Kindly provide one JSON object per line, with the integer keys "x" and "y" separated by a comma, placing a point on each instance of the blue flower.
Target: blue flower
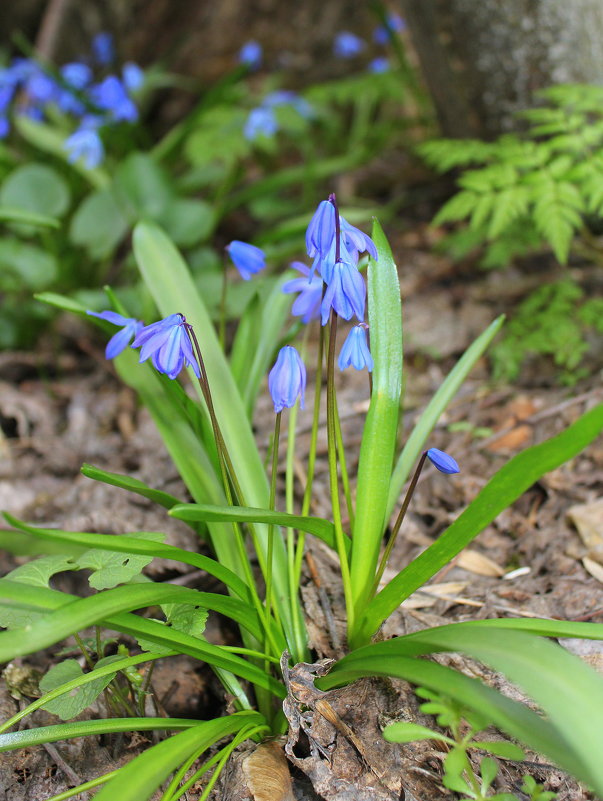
{"x": 110, "y": 95}
{"x": 355, "y": 350}
{"x": 443, "y": 461}
{"x": 169, "y": 345}
{"x": 40, "y": 88}
{"x": 76, "y": 74}
{"x": 346, "y": 292}
{"x": 133, "y": 76}
{"x": 347, "y": 45}
{"x": 85, "y": 144}
{"x": 379, "y": 65}
{"x": 320, "y": 239}
{"x": 102, "y": 48}
{"x": 121, "y": 340}
{"x": 307, "y": 304}
{"x": 251, "y": 55}
{"x": 287, "y": 379}
{"x": 395, "y": 24}
{"x": 260, "y": 122}
{"x": 4, "y": 126}
{"x": 285, "y": 97}
{"x": 248, "y": 259}
{"x": 355, "y": 241}
{"x": 320, "y": 233}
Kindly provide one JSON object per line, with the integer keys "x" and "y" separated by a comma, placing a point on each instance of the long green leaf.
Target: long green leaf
{"x": 501, "y": 491}
{"x": 85, "y": 728}
{"x": 125, "y": 544}
{"x": 8, "y": 214}
{"x": 143, "y": 775}
{"x": 510, "y": 716}
{"x": 435, "y": 407}
{"x": 321, "y": 528}
{"x": 28, "y": 596}
{"x": 85, "y": 612}
{"x": 569, "y": 691}
{"x": 173, "y": 290}
{"x": 131, "y": 484}
{"x": 379, "y": 438}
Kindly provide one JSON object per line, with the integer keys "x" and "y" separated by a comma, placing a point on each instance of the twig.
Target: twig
{"x": 60, "y": 762}
{"x": 49, "y": 29}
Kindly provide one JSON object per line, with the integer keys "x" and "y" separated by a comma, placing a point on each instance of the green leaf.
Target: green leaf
{"x": 110, "y": 569}
{"x": 17, "y": 215}
{"x": 61, "y": 302}
{"x": 87, "y": 728}
{"x": 36, "y": 188}
{"x": 172, "y": 288}
{"x": 131, "y": 484}
{"x": 186, "y": 618}
{"x": 500, "y": 748}
{"x": 142, "y": 188}
{"x": 323, "y": 529}
{"x": 138, "y": 780}
{"x": 435, "y": 407}
{"x": 23, "y": 264}
{"x": 39, "y": 572}
{"x": 188, "y": 221}
{"x": 506, "y": 486}
{"x": 379, "y": 437}
{"x": 98, "y": 224}
{"x": 403, "y": 732}
{"x": 69, "y": 705}
{"x": 66, "y": 617}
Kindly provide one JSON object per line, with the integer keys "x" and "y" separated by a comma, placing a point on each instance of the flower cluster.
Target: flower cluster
{"x": 75, "y": 89}
{"x": 250, "y": 55}
{"x": 347, "y": 45}
{"x": 262, "y": 120}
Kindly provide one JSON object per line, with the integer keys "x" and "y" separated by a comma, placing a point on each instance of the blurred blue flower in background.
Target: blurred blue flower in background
{"x": 85, "y": 144}
{"x": 307, "y": 304}
{"x": 133, "y": 76}
{"x": 355, "y": 351}
{"x": 379, "y": 65}
{"x": 251, "y": 55}
{"x": 102, "y": 48}
{"x": 110, "y": 95}
{"x": 347, "y": 45}
{"x": 168, "y": 344}
{"x": 287, "y": 379}
{"x": 248, "y": 259}
{"x": 395, "y": 23}
{"x": 121, "y": 340}
{"x": 260, "y": 122}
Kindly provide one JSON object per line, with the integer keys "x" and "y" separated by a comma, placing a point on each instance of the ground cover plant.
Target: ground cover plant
{"x": 259, "y": 549}
{"x": 525, "y": 192}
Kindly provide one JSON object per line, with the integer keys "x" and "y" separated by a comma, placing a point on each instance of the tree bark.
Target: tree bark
{"x": 483, "y": 60}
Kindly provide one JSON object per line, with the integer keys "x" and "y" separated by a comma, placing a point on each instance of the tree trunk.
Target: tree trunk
{"x": 483, "y": 60}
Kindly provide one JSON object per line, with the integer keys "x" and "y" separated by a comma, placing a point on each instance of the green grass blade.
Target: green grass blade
{"x": 379, "y": 438}
{"x": 138, "y": 780}
{"x": 131, "y": 484}
{"x": 503, "y": 489}
{"x": 569, "y": 691}
{"x": 318, "y": 526}
{"x": 86, "y": 728}
{"x": 113, "y": 667}
{"x": 509, "y": 716}
{"x": 421, "y": 431}
{"x": 28, "y": 596}
{"x": 86, "y": 612}
{"x": 173, "y": 290}
{"x": 125, "y": 544}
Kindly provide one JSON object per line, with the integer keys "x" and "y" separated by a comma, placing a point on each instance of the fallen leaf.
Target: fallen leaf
{"x": 513, "y": 440}
{"x": 432, "y": 593}
{"x": 267, "y": 774}
{"x": 594, "y": 568}
{"x": 476, "y": 562}
{"x": 588, "y": 521}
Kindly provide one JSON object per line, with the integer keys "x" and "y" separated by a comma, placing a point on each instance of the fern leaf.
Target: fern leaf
{"x": 459, "y": 207}
{"x": 510, "y": 204}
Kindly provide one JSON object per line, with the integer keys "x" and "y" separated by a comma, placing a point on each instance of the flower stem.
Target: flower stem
{"x": 398, "y": 523}
{"x": 271, "y": 506}
{"x": 334, "y": 484}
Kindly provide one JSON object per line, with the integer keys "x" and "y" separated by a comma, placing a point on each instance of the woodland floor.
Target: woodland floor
{"x": 60, "y": 408}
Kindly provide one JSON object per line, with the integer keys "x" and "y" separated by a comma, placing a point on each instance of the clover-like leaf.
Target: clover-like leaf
{"x": 111, "y": 569}
{"x": 70, "y": 704}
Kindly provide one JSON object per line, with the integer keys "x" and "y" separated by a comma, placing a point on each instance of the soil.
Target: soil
{"x": 62, "y": 406}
